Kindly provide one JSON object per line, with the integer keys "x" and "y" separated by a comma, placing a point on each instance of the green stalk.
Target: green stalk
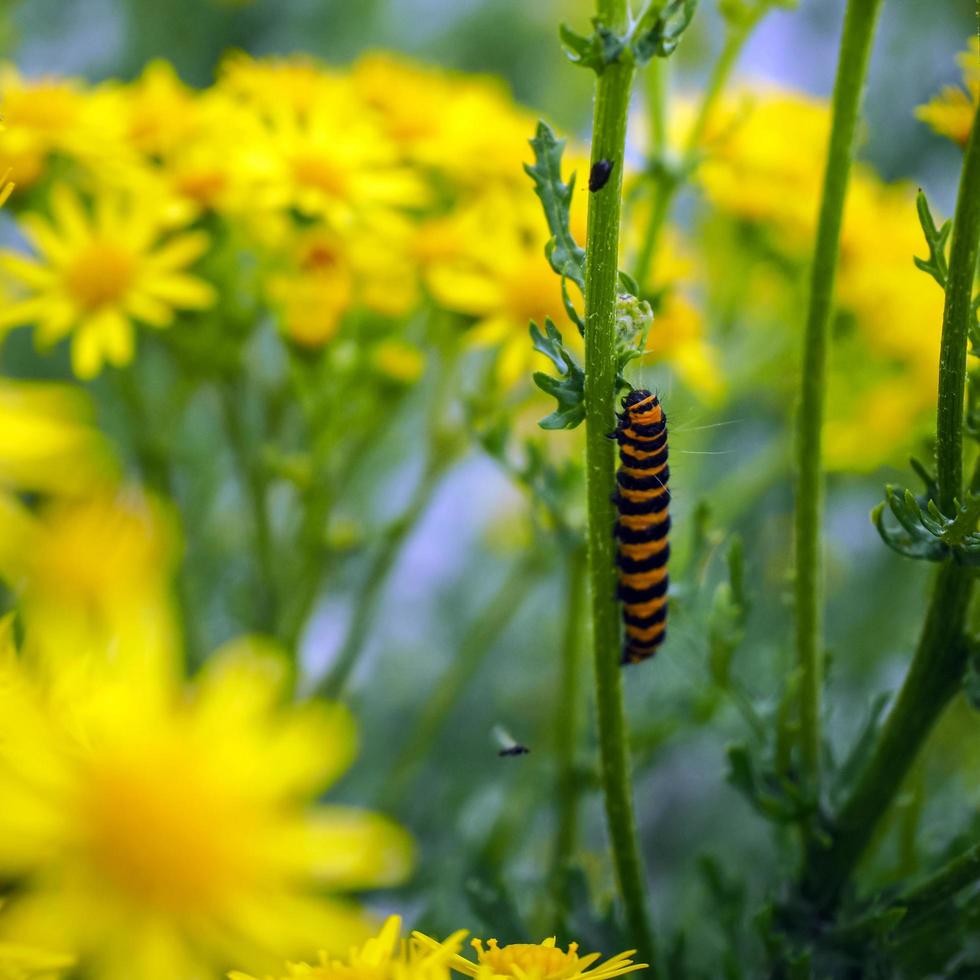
{"x": 333, "y": 684}
{"x": 668, "y": 184}
{"x": 251, "y": 472}
{"x": 936, "y": 672}
{"x": 855, "y": 50}
{"x": 568, "y": 712}
{"x": 601, "y": 287}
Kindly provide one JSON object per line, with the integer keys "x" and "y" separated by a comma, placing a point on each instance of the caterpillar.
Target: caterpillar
{"x": 643, "y": 523}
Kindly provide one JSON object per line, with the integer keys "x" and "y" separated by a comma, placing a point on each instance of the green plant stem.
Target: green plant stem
{"x": 668, "y": 183}
{"x": 251, "y": 472}
{"x": 481, "y": 637}
{"x": 568, "y": 723}
{"x": 156, "y": 472}
{"x": 957, "y": 315}
{"x": 601, "y": 287}
{"x": 855, "y": 50}
{"x": 936, "y": 672}
{"x": 387, "y": 553}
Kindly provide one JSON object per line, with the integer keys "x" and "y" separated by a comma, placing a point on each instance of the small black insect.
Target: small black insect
{"x": 514, "y": 750}
{"x": 599, "y": 174}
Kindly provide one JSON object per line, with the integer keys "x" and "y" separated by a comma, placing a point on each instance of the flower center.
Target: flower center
{"x": 100, "y": 275}
{"x": 158, "y": 831}
{"x": 530, "y": 959}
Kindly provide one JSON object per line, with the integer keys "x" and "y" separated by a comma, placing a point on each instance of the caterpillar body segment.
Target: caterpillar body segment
{"x": 643, "y": 523}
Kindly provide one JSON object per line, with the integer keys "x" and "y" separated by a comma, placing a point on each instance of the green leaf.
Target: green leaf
{"x": 775, "y": 797}
{"x": 659, "y": 29}
{"x": 564, "y": 254}
{"x": 936, "y": 238}
{"x": 600, "y": 49}
{"x": 569, "y": 389}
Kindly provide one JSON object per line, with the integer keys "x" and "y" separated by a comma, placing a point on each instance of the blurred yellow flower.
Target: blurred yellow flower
{"x": 502, "y": 279}
{"x": 399, "y": 360}
{"x": 28, "y": 963}
{"x": 97, "y": 273}
{"x": 764, "y": 159}
{"x": 951, "y": 112}
{"x": 170, "y": 831}
{"x": 384, "y": 957}
{"x": 429, "y": 114}
{"x": 49, "y": 116}
{"x": 49, "y": 443}
{"x": 329, "y": 162}
{"x": 92, "y": 572}
{"x": 537, "y": 961}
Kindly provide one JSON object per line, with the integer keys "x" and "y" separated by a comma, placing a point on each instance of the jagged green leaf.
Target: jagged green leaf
{"x": 564, "y": 254}
{"x": 773, "y": 796}
{"x": 568, "y": 389}
{"x": 660, "y": 27}
{"x": 600, "y": 49}
{"x": 936, "y": 238}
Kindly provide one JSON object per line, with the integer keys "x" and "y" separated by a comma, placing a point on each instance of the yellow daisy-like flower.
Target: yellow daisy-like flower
{"x": 53, "y": 116}
{"x": 170, "y": 830}
{"x": 92, "y": 572}
{"x": 951, "y": 112}
{"x": 537, "y": 961}
{"x": 383, "y": 957}
{"x": 95, "y": 274}
{"x": 501, "y": 278}
{"x": 49, "y": 442}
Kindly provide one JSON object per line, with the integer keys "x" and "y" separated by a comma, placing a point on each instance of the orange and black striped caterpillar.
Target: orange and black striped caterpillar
{"x": 643, "y": 523}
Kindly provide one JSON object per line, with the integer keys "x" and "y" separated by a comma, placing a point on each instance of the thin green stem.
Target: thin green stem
{"x": 852, "y": 66}
{"x": 481, "y": 637}
{"x": 601, "y": 288}
{"x": 667, "y": 183}
{"x": 251, "y": 472}
{"x": 656, "y": 101}
{"x": 568, "y": 723}
{"x": 390, "y": 548}
{"x": 936, "y": 672}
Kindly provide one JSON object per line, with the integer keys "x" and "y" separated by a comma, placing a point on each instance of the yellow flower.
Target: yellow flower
{"x": 49, "y": 443}
{"x": 383, "y": 957}
{"x": 169, "y": 830}
{"x": 429, "y": 112}
{"x": 764, "y": 160}
{"x": 97, "y": 273}
{"x": 319, "y": 153}
{"x": 92, "y": 572}
{"x": 501, "y": 278}
{"x": 27, "y": 963}
{"x": 537, "y": 961}
{"x": 50, "y": 116}
{"x": 951, "y": 112}
{"x": 399, "y": 361}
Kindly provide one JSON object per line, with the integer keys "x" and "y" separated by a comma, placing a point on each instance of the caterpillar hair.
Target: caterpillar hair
{"x": 643, "y": 523}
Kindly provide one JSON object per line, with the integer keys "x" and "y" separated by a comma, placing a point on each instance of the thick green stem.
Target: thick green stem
{"x": 601, "y": 288}
{"x": 855, "y": 50}
{"x": 937, "y": 669}
{"x": 481, "y": 637}
{"x": 568, "y": 713}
